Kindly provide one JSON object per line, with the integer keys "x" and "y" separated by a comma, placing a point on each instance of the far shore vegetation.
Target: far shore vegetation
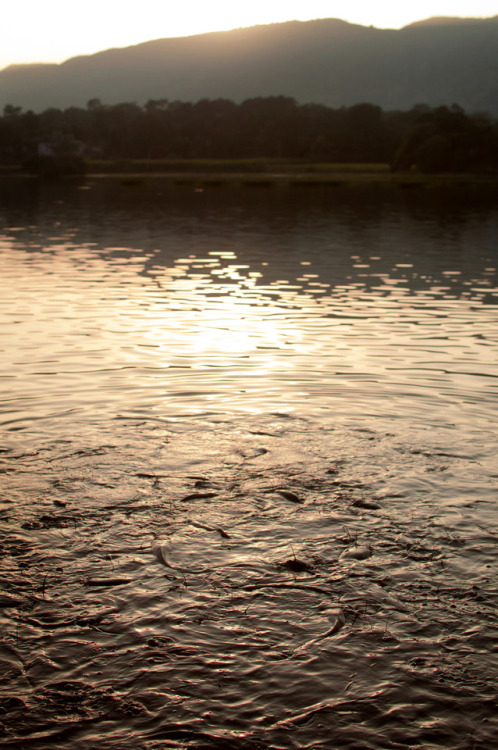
{"x": 270, "y": 139}
{"x": 267, "y": 173}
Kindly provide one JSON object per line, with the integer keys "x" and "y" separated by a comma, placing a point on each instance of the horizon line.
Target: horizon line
{"x": 422, "y": 21}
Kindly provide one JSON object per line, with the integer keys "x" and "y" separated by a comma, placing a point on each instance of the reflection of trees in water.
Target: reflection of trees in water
{"x": 428, "y": 231}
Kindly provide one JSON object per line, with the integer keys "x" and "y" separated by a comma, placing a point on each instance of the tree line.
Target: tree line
{"x": 441, "y": 139}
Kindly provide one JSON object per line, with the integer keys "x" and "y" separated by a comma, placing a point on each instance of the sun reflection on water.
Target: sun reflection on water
{"x": 301, "y": 319}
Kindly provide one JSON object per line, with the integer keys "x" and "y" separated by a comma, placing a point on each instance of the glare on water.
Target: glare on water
{"x": 393, "y": 316}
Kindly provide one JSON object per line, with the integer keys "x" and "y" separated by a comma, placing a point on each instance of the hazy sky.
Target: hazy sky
{"x": 54, "y": 30}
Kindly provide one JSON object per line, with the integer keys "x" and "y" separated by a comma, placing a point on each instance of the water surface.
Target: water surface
{"x": 172, "y": 361}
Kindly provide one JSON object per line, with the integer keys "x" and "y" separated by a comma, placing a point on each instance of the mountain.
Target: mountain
{"x": 328, "y": 61}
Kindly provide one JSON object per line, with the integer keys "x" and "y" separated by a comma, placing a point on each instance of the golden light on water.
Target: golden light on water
{"x": 293, "y": 443}
{"x": 221, "y": 312}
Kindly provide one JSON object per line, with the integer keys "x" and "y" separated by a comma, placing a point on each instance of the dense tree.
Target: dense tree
{"x": 445, "y": 139}
{"x": 428, "y": 139}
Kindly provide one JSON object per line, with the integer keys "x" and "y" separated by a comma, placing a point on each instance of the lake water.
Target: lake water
{"x": 249, "y": 465}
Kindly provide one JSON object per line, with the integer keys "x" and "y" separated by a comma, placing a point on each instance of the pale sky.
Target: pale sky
{"x": 54, "y": 30}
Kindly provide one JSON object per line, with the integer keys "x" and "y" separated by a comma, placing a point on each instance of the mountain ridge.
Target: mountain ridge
{"x": 325, "y": 61}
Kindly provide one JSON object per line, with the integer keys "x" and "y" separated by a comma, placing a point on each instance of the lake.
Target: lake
{"x": 248, "y": 462}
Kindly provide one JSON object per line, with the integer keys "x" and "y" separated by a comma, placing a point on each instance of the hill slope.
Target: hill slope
{"x": 439, "y": 61}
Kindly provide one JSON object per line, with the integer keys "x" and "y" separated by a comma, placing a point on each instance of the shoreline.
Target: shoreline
{"x": 199, "y": 173}
{"x": 285, "y": 180}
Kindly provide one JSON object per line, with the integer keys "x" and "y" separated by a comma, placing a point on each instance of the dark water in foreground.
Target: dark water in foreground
{"x": 248, "y": 467}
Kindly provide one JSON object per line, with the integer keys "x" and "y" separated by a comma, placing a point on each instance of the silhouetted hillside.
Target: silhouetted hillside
{"x": 437, "y": 62}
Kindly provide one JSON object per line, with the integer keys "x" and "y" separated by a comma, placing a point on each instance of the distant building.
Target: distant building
{"x": 45, "y": 149}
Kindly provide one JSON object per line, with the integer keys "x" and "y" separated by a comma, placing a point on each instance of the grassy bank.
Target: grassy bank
{"x": 269, "y": 172}
{"x": 271, "y": 167}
